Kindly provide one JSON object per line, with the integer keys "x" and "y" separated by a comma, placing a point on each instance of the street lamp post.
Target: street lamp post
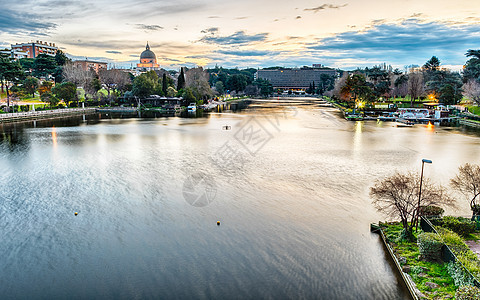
{"x": 420, "y": 190}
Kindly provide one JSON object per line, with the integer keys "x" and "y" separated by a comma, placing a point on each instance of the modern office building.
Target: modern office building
{"x": 33, "y": 49}
{"x": 293, "y": 78}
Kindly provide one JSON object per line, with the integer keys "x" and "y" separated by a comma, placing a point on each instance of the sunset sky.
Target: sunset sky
{"x": 247, "y": 33}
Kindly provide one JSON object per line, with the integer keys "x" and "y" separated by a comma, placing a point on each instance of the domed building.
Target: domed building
{"x": 148, "y": 60}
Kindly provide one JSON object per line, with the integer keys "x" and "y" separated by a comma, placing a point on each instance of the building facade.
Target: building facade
{"x": 34, "y": 49}
{"x": 148, "y": 60}
{"x": 90, "y": 64}
{"x": 295, "y": 79}
{"x": 14, "y": 54}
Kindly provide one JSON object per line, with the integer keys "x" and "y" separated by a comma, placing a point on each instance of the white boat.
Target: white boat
{"x": 404, "y": 123}
{"x": 192, "y": 107}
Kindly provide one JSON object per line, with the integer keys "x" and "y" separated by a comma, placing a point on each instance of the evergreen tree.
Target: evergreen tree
{"x": 164, "y": 84}
{"x": 181, "y": 80}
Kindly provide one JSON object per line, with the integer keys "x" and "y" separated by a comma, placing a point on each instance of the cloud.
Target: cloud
{"x": 149, "y": 27}
{"x": 325, "y": 6}
{"x": 403, "y": 42}
{"x": 14, "y": 22}
{"x": 154, "y": 8}
{"x": 237, "y": 38}
{"x": 114, "y": 52}
{"x": 211, "y": 30}
{"x": 246, "y": 52}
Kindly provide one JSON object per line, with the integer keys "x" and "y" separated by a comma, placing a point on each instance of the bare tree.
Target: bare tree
{"x": 467, "y": 182}
{"x": 114, "y": 79}
{"x": 339, "y": 83}
{"x": 197, "y": 79}
{"x": 398, "y": 196}
{"x": 471, "y": 90}
{"x": 416, "y": 86}
{"x": 77, "y": 75}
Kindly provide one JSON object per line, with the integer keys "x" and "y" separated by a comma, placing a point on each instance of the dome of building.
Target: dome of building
{"x": 148, "y": 54}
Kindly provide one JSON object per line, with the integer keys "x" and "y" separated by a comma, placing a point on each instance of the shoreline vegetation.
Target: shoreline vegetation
{"x": 427, "y": 261}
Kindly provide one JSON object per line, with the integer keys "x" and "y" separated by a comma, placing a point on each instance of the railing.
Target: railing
{"x": 43, "y": 113}
{"x": 447, "y": 253}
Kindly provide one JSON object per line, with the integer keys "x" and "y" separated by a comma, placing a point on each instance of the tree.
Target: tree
{"x": 471, "y": 90}
{"x": 397, "y": 196}
{"x": 10, "y": 71}
{"x": 445, "y": 85}
{"x": 67, "y": 91}
{"x": 171, "y": 91}
{"x": 49, "y": 98}
{"x": 236, "y": 82}
{"x": 264, "y": 86}
{"x": 27, "y": 64}
{"x": 46, "y": 86}
{"x": 337, "y": 90}
{"x": 77, "y": 75}
{"x": 164, "y": 83}
{"x": 356, "y": 88}
{"x": 432, "y": 64}
{"x": 401, "y": 86}
{"x": 219, "y": 87}
{"x": 114, "y": 80}
{"x": 252, "y": 90}
{"x": 449, "y": 94}
{"x": 181, "y": 80}
{"x": 471, "y": 70}
{"x": 60, "y": 58}
{"x": 143, "y": 85}
{"x": 326, "y": 83}
{"x": 197, "y": 80}
{"x": 93, "y": 87}
{"x": 44, "y": 65}
{"x": 31, "y": 84}
{"x": 467, "y": 182}
{"x": 415, "y": 86}
{"x": 188, "y": 95}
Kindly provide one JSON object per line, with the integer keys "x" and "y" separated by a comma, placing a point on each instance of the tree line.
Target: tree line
{"x": 431, "y": 81}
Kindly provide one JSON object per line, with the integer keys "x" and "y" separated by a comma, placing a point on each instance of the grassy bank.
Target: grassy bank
{"x": 422, "y": 272}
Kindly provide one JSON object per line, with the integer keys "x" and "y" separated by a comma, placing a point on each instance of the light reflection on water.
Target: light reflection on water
{"x": 294, "y": 217}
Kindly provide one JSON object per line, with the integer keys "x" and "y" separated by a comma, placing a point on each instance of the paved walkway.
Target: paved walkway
{"x": 474, "y": 246}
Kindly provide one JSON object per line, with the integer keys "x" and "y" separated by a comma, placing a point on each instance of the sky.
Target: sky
{"x": 247, "y": 33}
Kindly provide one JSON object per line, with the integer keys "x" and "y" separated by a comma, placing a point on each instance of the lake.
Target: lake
{"x": 288, "y": 182}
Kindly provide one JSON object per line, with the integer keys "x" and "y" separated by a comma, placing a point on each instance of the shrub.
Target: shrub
{"x": 459, "y": 275}
{"x": 431, "y": 211}
{"x": 430, "y": 246}
{"x": 459, "y": 225}
{"x": 467, "y": 292}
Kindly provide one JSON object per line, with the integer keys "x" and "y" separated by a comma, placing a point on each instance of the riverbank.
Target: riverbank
{"x": 436, "y": 263}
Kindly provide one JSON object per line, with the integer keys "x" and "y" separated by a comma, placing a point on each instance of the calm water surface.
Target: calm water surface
{"x": 292, "y": 198}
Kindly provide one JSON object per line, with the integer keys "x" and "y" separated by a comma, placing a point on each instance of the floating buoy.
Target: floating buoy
{"x": 76, "y": 213}
{"x": 218, "y": 223}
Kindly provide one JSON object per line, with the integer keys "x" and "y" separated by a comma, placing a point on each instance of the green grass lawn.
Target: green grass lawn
{"x": 474, "y": 109}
